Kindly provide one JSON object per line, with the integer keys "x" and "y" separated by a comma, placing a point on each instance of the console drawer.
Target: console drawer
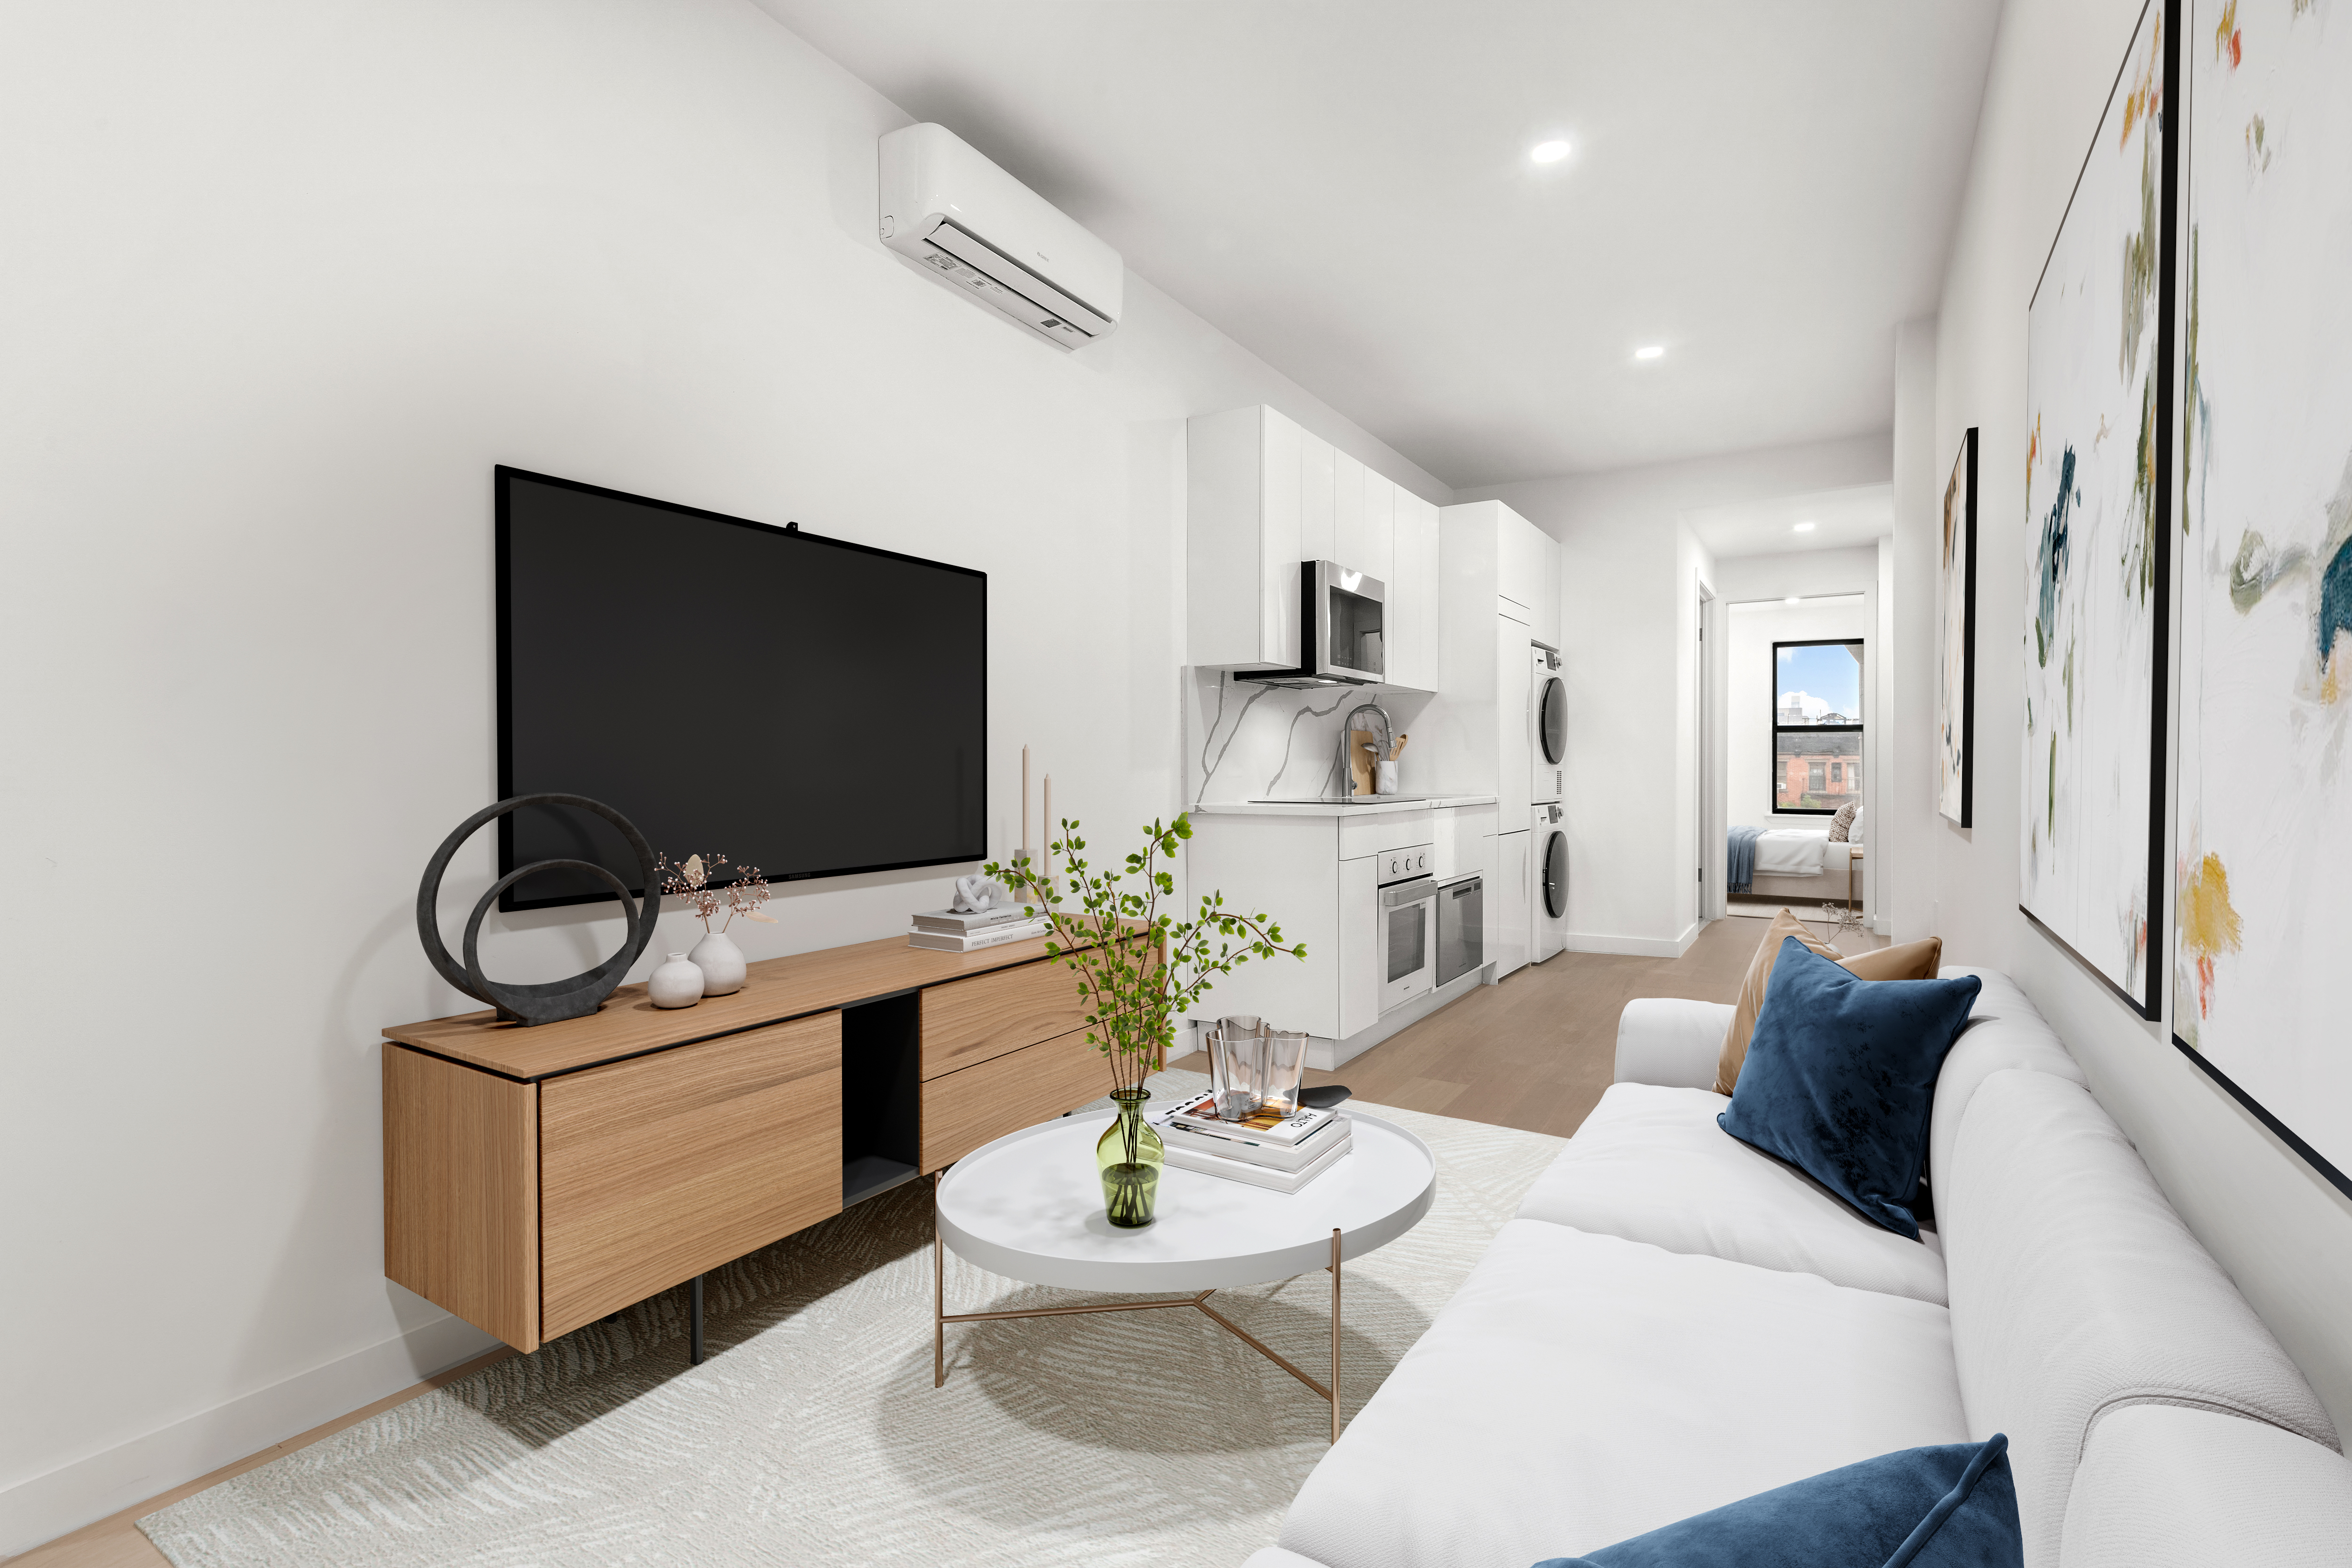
{"x": 660, "y": 1168}
{"x": 962, "y": 1110}
{"x": 970, "y": 1021}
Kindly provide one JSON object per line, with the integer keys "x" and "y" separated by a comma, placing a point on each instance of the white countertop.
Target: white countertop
{"x": 1372, "y": 807}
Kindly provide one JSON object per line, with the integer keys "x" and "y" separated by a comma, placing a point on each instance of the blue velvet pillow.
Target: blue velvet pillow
{"x": 1841, "y": 1076}
{"x": 1953, "y": 1506}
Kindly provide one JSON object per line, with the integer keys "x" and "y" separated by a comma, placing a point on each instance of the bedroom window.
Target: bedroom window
{"x": 1816, "y": 726}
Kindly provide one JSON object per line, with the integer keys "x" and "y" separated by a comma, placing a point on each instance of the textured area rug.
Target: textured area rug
{"x": 811, "y": 1434}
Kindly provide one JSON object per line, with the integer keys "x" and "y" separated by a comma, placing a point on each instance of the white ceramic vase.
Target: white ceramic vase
{"x": 677, "y": 984}
{"x": 721, "y": 963}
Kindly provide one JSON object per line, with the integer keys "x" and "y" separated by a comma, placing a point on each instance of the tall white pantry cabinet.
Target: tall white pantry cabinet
{"x": 1265, "y": 496}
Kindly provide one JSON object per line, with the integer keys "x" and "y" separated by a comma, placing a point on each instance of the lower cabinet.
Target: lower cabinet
{"x": 974, "y": 1105}
{"x": 656, "y": 1169}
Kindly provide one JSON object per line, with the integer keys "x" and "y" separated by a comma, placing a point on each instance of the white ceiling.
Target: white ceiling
{"x": 1343, "y": 187}
{"x": 1841, "y": 519}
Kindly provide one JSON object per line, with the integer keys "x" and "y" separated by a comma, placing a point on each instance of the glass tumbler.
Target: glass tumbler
{"x": 1282, "y": 1071}
{"x": 1236, "y": 1051}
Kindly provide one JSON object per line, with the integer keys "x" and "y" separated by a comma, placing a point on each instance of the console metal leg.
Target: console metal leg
{"x": 694, "y": 1329}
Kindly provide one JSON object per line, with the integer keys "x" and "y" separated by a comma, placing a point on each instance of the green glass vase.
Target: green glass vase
{"x": 1129, "y": 1156}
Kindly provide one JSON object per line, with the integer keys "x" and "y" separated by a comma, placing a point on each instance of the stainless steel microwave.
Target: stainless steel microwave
{"x": 1341, "y": 630}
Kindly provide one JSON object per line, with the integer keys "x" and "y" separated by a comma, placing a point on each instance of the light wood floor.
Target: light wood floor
{"x": 1534, "y": 1052}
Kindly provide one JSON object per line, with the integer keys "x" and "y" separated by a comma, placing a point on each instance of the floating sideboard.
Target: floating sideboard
{"x": 536, "y": 1179}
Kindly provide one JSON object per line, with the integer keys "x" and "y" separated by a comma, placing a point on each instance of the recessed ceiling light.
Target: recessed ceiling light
{"x": 1806, "y": 527}
{"x": 1651, "y": 351}
{"x": 1792, "y": 599}
{"x": 1549, "y": 152}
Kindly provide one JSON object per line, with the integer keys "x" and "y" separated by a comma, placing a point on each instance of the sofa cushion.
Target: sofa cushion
{"x": 1650, "y": 1164}
{"x": 1841, "y": 1076}
{"x": 2075, "y": 1291}
{"x": 1278, "y": 1557}
{"x": 1579, "y": 1389}
{"x": 2004, "y": 1031}
{"x": 1908, "y": 960}
{"x": 1671, "y": 1041}
{"x": 1947, "y": 1506}
{"x": 2165, "y": 1487}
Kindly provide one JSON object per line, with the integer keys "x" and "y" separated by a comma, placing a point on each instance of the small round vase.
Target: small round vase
{"x": 677, "y": 984}
{"x": 1129, "y": 1157}
{"x": 721, "y": 963}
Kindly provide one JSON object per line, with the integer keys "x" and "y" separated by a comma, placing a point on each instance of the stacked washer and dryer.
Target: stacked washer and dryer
{"x": 1548, "y": 844}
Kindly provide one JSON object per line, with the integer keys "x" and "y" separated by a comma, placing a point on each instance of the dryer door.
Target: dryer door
{"x": 1551, "y": 721}
{"x": 1555, "y": 874}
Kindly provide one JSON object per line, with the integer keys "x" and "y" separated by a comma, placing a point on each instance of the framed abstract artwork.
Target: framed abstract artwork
{"x": 2263, "y": 843}
{"x": 1956, "y": 643}
{"x": 2099, "y": 454}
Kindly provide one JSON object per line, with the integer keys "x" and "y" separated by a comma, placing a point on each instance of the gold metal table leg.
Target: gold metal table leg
{"x": 941, "y": 1317}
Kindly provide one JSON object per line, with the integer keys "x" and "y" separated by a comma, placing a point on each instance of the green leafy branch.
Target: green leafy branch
{"x": 1139, "y": 968}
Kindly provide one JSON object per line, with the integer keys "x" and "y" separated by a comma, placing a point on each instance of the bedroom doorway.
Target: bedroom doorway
{"x": 1795, "y": 750}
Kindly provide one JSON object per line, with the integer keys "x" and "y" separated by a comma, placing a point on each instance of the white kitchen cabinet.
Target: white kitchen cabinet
{"x": 1462, "y": 838}
{"x": 1289, "y": 869}
{"x": 1414, "y": 593}
{"x": 1545, "y": 627}
{"x": 1347, "y": 512}
{"x": 1243, "y": 545}
{"x": 1265, "y": 496}
{"x": 1360, "y": 945}
{"x": 1514, "y": 688}
{"x": 1509, "y": 913}
{"x": 1372, "y": 549}
{"x": 1318, "y": 465}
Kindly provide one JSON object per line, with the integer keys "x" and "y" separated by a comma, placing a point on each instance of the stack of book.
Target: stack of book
{"x": 1284, "y": 1153}
{"x": 967, "y": 931}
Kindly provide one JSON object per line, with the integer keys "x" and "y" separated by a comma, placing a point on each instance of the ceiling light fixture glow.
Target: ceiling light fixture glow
{"x": 1549, "y": 152}
{"x": 1792, "y": 599}
{"x": 1651, "y": 351}
{"x": 1806, "y": 527}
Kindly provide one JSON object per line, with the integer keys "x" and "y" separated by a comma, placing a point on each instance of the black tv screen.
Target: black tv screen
{"x": 799, "y": 704}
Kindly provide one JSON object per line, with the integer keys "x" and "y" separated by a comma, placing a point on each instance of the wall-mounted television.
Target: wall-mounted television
{"x": 806, "y": 705}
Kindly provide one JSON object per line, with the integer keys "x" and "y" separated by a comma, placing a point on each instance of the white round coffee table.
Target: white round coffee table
{"x": 1030, "y": 1206}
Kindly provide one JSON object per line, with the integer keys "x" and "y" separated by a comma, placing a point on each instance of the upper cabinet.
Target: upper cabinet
{"x": 1264, "y": 497}
{"x": 1528, "y": 574}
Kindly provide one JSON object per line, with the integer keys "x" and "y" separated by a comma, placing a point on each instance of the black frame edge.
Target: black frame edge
{"x": 2286, "y": 1135}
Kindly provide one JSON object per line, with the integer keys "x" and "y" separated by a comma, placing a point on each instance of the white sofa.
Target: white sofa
{"x": 1675, "y": 1320}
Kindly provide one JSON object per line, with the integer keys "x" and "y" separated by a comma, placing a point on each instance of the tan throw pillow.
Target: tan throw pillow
{"x": 1912, "y": 961}
{"x": 1842, "y": 823}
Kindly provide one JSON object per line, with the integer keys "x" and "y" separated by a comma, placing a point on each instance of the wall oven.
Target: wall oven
{"x": 1408, "y": 940}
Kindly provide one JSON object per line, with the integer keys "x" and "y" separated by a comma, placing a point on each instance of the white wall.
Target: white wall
{"x": 2283, "y": 1233}
{"x": 1750, "y": 691}
{"x": 283, "y": 282}
{"x": 1629, "y": 570}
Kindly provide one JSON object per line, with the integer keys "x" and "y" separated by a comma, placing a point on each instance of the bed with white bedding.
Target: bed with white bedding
{"x": 1796, "y": 863}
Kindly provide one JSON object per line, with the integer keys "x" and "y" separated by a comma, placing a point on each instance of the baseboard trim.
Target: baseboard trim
{"x": 80, "y": 1491}
{"x": 1633, "y": 946}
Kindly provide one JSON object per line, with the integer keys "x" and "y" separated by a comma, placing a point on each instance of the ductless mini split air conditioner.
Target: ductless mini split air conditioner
{"x": 994, "y": 239}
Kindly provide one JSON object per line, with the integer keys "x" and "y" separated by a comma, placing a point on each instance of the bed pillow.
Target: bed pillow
{"x": 1911, "y": 960}
{"x": 1944, "y": 1506}
{"x": 1841, "y": 1076}
{"x": 1843, "y": 821}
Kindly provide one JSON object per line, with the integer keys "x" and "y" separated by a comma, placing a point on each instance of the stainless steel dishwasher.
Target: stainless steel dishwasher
{"x": 1461, "y": 927}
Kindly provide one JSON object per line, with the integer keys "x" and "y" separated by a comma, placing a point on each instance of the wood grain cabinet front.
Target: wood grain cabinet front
{"x": 656, "y": 1169}
{"x": 972, "y": 1021}
{"x": 962, "y": 1110}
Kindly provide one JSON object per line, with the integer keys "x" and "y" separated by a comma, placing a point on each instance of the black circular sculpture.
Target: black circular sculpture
{"x": 549, "y": 1001}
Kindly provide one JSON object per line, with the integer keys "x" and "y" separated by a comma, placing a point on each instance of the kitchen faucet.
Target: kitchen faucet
{"x": 1347, "y": 728}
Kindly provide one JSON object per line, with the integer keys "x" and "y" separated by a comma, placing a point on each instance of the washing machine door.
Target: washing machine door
{"x": 1555, "y": 874}
{"x": 1551, "y": 721}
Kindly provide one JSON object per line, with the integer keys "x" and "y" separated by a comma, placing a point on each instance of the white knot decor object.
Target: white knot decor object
{"x": 973, "y": 894}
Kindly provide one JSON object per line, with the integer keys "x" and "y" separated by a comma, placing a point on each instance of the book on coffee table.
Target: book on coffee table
{"x": 1237, "y": 1144}
{"x": 1200, "y": 1115}
{"x": 1185, "y": 1158}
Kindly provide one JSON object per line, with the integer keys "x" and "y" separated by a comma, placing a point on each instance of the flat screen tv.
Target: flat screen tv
{"x": 803, "y": 705}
